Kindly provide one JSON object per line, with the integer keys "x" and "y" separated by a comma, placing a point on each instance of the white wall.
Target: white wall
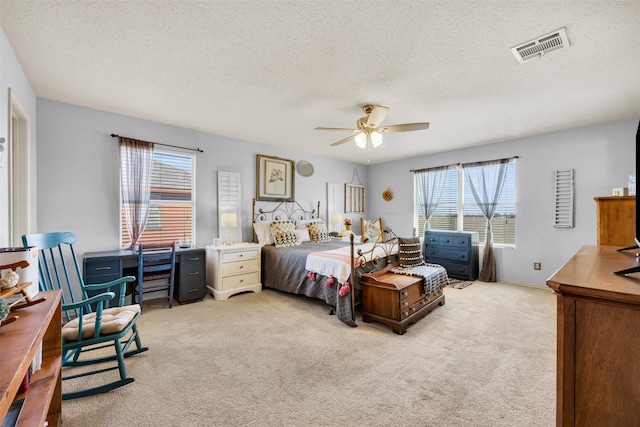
{"x": 12, "y": 77}
{"x": 602, "y": 156}
{"x": 79, "y": 166}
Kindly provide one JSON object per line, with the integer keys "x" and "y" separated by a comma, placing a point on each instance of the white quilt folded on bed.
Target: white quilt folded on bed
{"x": 335, "y": 262}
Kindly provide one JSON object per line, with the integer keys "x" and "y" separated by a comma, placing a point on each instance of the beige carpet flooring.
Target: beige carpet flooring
{"x": 485, "y": 358}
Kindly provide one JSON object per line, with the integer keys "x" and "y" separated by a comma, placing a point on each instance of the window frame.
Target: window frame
{"x": 459, "y": 206}
{"x": 156, "y": 205}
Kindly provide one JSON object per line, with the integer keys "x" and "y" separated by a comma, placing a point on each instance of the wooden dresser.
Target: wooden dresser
{"x": 598, "y": 372}
{"x": 396, "y": 299}
{"x": 616, "y": 220}
{"x": 456, "y": 251}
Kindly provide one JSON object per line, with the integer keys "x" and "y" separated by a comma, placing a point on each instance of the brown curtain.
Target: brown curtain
{"x": 486, "y": 180}
{"x": 136, "y": 163}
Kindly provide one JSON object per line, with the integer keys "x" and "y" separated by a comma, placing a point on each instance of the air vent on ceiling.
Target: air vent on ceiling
{"x": 541, "y": 46}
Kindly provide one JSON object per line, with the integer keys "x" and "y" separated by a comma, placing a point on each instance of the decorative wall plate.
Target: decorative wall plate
{"x": 305, "y": 168}
{"x": 387, "y": 194}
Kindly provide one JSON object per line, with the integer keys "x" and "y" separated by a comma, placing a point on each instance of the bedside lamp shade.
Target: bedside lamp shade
{"x": 335, "y": 220}
{"x": 229, "y": 220}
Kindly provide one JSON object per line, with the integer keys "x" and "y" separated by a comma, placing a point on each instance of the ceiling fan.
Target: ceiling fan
{"x": 369, "y": 132}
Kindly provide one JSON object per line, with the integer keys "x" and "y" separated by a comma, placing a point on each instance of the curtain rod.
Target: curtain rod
{"x": 113, "y": 135}
{"x": 434, "y": 167}
{"x": 458, "y": 164}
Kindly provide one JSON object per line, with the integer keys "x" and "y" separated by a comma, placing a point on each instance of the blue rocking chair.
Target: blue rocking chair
{"x": 89, "y": 323}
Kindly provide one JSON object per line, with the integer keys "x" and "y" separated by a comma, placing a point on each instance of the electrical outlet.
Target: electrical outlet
{"x": 537, "y": 266}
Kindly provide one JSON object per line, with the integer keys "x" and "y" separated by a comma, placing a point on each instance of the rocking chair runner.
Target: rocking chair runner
{"x": 85, "y": 329}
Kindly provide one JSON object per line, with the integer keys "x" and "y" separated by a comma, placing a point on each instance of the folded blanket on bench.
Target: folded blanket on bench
{"x": 435, "y": 276}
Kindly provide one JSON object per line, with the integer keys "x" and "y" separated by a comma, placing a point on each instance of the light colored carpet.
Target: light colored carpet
{"x": 485, "y": 358}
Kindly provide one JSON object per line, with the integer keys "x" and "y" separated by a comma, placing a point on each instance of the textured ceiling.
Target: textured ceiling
{"x": 272, "y": 71}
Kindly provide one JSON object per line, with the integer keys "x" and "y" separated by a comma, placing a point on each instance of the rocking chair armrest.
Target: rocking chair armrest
{"x": 99, "y": 299}
{"x": 119, "y": 284}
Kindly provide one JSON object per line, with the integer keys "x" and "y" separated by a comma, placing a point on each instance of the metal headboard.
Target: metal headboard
{"x": 285, "y": 210}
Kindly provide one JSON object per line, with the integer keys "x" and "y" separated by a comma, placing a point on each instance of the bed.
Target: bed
{"x": 319, "y": 266}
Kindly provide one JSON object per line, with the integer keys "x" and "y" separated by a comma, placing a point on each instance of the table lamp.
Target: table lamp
{"x": 335, "y": 220}
{"x": 229, "y": 221}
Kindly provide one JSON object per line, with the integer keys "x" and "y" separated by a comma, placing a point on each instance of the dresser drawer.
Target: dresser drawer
{"x": 460, "y": 271}
{"x": 240, "y": 280}
{"x": 239, "y": 256}
{"x": 239, "y": 267}
{"x": 447, "y": 254}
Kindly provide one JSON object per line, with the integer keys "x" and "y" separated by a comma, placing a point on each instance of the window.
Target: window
{"x": 458, "y": 211}
{"x": 172, "y": 200}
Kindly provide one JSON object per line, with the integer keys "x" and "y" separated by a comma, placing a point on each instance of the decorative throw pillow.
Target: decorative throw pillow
{"x": 263, "y": 232}
{"x": 302, "y": 235}
{"x": 409, "y": 252}
{"x": 302, "y": 224}
{"x": 318, "y": 232}
{"x": 284, "y": 233}
{"x": 371, "y": 230}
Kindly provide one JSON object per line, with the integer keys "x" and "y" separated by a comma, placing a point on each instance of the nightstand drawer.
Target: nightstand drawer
{"x": 239, "y": 267}
{"x": 240, "y": 280}
{"x": 239, "y": 256}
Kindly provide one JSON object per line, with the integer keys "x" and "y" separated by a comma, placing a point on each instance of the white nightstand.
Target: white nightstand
{"x": 233, "y": 269}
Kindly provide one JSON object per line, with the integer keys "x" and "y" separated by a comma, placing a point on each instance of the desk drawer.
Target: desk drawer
{"x": 239, "y": 267}
{"x": 234, "y": 282}
{"x": 102, "y": 268}
{"x": 190, "y": 290}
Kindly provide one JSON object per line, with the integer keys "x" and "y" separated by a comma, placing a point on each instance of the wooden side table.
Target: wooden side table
{"x": 233, "y": 269}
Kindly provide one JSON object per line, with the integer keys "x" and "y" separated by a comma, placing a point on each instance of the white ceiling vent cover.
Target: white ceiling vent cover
{"x": 539, "y": 47}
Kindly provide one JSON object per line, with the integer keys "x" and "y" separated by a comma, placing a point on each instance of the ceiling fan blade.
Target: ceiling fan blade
{"x": 342, "y": 141}
{"x": 405, "y": 127}
{"x": 341, "y": 129}
{"x": 377, "y": 115}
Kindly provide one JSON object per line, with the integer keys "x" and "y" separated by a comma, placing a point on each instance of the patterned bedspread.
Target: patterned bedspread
{"x": 285, "y": 269}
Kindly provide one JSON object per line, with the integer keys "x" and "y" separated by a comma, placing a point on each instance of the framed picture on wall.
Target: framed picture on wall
{"x": 274, "y": 178}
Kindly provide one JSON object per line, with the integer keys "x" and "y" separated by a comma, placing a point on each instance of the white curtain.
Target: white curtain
{"x": 430, "y": 183}
{"x": 136, "y": 163}
{"x": 486, "y": 181}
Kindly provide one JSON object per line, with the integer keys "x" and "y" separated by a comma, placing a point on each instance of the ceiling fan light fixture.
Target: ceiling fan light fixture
{"x": 361, "y": 140}
{"x": 376, "y": 139}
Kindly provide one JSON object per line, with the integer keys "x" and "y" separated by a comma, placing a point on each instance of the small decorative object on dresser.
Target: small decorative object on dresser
{"x": 457, "y": 251}
{"x": 233, "y": 269}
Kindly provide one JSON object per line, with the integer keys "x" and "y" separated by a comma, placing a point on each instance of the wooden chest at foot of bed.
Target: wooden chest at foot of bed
{"x": 396, "y": 300}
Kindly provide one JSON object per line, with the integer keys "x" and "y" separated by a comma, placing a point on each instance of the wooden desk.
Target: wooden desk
{"x": 598, "y": 371}
{"x": 190, "y": 281}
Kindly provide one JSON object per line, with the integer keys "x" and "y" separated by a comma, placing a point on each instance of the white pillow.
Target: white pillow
{"x": 302, "y": 223}
{"x": 263, "y": 232}
{"x": 302, "y": 235}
